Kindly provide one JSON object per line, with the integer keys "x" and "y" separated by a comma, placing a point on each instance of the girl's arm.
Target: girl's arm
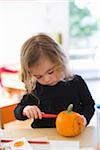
{"x": 86, "y": 100}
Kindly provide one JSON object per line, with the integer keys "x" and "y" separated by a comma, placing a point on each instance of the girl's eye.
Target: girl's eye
{"x": 39, "y": 77}
{"x": 51, "y": 72}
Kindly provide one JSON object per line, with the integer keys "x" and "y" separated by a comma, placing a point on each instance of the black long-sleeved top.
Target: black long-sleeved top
{"x": 54, "y": 99}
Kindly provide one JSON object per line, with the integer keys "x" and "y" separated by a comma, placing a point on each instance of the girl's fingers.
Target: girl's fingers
{"x": 84, "y": 119}
{"x": 32, "y": 112}
{"x": 28, "y": 114}
{"x": 35, "y": 113}
{"x": 39, "y": 113}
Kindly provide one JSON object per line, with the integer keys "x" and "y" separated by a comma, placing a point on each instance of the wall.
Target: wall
{"x": 21, "y": 19}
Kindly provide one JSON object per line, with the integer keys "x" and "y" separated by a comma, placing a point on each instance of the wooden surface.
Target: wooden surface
{"x": 17, "y": 124}
{"x": 86, "y": 139}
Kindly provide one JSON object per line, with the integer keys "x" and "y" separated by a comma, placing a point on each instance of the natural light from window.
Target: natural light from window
{"x": 85, "y": 38}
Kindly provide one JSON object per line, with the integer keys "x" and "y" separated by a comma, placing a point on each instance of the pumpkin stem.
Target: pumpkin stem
{"x": 70, "y": 108}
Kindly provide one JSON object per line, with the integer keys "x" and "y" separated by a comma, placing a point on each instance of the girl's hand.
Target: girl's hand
{"x": 32, "y": 112}
{"x": 84, "y": 121}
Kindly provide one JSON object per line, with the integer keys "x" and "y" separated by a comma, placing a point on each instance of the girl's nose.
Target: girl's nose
{"x": 47, "y": 78}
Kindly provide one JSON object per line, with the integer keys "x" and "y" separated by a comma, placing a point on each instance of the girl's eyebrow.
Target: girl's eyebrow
{"x": 45, "y": 72}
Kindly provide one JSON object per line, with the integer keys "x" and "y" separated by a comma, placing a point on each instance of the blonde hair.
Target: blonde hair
{"x": 35, "y": 48}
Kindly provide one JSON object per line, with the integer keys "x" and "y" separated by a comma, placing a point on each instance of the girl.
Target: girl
{"x": 49, "y": 84}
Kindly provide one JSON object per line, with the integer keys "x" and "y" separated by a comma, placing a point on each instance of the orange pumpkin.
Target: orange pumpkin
{"x": 69, "y": 123}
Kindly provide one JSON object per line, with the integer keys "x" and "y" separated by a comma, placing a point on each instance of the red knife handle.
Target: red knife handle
{"x": 49, "y": 115}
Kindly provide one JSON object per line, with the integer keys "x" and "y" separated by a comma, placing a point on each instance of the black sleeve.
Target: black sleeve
{"x": 27, "y": 99}
{"x": 86, "y": 100}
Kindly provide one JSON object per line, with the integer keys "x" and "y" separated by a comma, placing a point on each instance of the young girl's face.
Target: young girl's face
{"x": 46, "y": 72}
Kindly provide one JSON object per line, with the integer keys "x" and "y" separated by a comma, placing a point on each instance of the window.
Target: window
{"x": 84, "y": 37}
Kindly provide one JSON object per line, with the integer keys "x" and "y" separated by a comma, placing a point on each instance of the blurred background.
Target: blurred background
{"x": 75, "y": 24}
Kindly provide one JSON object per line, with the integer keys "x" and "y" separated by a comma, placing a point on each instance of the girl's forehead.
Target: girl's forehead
{"x": 44, "y": 61}
{"x": 43, "y": 65}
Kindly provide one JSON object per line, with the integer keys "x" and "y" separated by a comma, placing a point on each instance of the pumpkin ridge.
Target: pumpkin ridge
{"x": 77, "y": 125}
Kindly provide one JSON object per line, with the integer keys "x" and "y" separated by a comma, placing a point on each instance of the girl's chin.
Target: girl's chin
{"x": 52, "y": 84}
